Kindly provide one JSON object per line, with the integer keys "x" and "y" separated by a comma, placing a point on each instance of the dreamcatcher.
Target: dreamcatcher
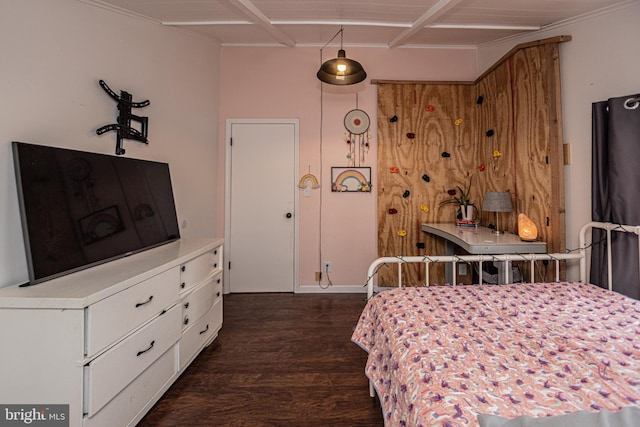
{"x": 357, "y": 124}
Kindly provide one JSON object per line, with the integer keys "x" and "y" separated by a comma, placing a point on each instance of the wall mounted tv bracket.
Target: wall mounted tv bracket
{"x": 123, "y": 127}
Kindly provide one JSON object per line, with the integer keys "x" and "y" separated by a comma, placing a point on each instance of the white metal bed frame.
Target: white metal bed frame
{"x": 582, "y": 255}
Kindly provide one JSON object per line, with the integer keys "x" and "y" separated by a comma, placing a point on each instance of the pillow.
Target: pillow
{"x": 626, "y": 417}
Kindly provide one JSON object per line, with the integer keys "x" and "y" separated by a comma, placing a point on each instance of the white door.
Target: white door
{"x": 262, "y": 159}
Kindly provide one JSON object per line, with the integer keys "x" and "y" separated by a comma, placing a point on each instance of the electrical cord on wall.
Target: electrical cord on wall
{"x": 321, "y": 181}
{"x": 329, "y": 282}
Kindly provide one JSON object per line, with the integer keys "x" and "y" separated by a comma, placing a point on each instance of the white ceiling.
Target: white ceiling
{"x": 390, "y": 23}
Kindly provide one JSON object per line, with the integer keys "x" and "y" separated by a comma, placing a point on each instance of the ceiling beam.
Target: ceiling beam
{"x": 252, "y": 13}
{"x": 344, "y": 23}
{"x": 486, "y": 27}
{"x": 434, "y": 12}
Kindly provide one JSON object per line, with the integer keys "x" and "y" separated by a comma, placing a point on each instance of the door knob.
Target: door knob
{"x": 289, "y": 215}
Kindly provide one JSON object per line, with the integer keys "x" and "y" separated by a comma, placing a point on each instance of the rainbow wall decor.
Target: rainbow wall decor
{"x": 309, "y": 180}
{"x": 351, "y": 179}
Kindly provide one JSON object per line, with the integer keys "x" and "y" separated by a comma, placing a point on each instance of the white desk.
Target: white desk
{"x": 481, "y": 240}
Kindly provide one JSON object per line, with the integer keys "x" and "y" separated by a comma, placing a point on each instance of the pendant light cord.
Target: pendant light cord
{"x": 324, "y": 274}
{"x": 321, "y": 179}
{"x": 340, "y": 31}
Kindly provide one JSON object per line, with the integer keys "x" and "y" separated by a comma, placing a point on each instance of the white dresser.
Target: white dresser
{"x": 110, "y": 340}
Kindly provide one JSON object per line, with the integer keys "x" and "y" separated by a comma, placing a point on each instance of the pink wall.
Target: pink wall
{"x": 281, "y": 83}
{"x": 49, "y": 85}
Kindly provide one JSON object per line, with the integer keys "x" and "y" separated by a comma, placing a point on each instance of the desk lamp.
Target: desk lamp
{"x": 497, "y": 201}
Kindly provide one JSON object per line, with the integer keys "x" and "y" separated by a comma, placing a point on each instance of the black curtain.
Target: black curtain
{"x": 615, "y": 190}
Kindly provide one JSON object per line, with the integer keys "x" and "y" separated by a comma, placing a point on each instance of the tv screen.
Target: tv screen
{"x": 81, "y": 209}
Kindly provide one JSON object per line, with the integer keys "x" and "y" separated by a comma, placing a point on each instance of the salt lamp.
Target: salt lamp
{"x": 527, "y": 230}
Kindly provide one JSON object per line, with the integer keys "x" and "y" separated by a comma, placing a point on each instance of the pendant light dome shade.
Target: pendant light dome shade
{"x": 341, "y": 71}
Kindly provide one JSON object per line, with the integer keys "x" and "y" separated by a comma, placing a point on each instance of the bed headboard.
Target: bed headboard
{"x": 581, "y": 255}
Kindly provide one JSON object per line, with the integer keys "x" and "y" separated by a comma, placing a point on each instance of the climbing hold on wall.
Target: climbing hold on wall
{"x": 402, "y": 233}
{"x": 430, "y": 108}
{"x": 458, "y": 122}
{"x": 393, "y": 119}
{"x": 445, "y": 154}
{"x": 480, "y": 100}
{"x": 490, "y": 132}
{"x": 424, "y": 208}
{"x": 420, "y": 245}
{"x": 426, "y": 178}
{"x": 393, "y": 211}
{"x": 394, "y": 170}
{"x": 411, "y": 135}
{"x": 497, "y": 153}
{"x": 406, "y": 193}
{"x": 481, "y": 167}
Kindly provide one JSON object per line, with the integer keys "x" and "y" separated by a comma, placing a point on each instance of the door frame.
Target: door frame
{"x": 227, "y": 197}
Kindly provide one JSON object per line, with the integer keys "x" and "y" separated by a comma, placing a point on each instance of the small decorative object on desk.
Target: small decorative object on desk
{"x": 527, "y": 229}
{"x": 466, "y": 209}
{"x": 469, "y": 223}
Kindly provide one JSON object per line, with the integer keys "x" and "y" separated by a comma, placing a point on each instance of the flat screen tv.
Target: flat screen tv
{"x": 81, "y": 209}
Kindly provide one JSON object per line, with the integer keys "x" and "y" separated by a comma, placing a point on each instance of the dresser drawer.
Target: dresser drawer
{"x": 196, "y": 336}
{"x": 199, "y": 300}
{"x": 109, "y": 373}
{"x": 198, "y": 269}
{"x": 139, "y": 396}
{"x": 114, "y": 317}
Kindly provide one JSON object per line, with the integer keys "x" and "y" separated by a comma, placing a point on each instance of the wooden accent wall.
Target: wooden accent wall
{"x": 449, "y": 132}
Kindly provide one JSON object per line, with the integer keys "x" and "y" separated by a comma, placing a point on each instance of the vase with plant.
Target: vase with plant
{"x": 461, "y": 198}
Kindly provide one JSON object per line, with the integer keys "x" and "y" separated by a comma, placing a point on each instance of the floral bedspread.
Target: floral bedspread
{"x": 438, "y": 356}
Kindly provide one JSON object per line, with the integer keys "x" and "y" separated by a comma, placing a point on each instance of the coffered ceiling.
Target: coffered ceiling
{"x": 389, "y": 23}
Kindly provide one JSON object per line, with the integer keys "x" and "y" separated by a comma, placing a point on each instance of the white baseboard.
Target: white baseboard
{"x": 315, "y": 289}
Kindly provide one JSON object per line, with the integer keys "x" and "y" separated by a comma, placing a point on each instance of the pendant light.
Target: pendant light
{"x": 341, "y": 70}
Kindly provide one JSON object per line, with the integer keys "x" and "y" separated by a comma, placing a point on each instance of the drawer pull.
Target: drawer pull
{"x": 204, "y": 330}
{"x": 217, "y": 294}
{"x": 186, "y": 305}
{"x": 186, "y": 320}
{"x": 183, "y": 268}
{"x": 182, "y": 285}
{"x": 140, "y": 304}
{"x": 147, "y": 349}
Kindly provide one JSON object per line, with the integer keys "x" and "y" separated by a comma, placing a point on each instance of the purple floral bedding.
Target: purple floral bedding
{"x": 439, "y": 356}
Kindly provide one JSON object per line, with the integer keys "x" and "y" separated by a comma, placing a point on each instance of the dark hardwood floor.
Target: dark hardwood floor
{"x": 279, "y": 360}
